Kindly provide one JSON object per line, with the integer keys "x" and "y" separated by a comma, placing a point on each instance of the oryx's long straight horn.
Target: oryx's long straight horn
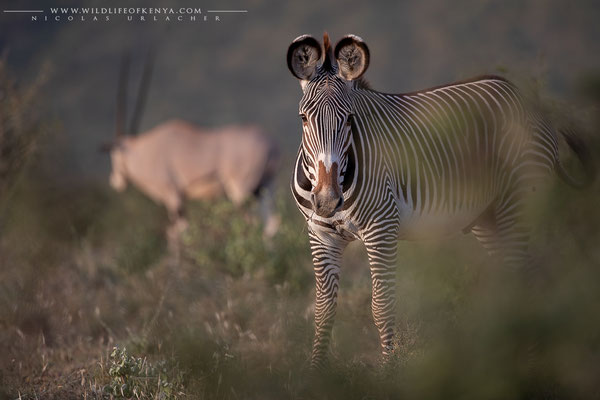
{"x": 122, "y": 97}
{"x": 142, "y": 92}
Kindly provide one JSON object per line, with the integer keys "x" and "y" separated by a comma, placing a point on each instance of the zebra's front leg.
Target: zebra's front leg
{"x": 327, "y": 254}
{"x": 382, "y": 250}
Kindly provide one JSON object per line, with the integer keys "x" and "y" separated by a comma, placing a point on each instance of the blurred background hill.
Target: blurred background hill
{"x": 213, "y": 73}
{"x": 93, "y": 306}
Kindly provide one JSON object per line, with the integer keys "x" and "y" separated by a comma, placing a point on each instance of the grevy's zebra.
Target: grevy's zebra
{"x": 378, "y": 167}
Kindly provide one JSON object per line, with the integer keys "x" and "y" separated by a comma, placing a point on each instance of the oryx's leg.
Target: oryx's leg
{"x": 177, "y": 220}
{"x": 235, "y": 191}
{"x": 327, "y": 253}
{"x": 271, "y": 220}
{"x": 382, "y": 250}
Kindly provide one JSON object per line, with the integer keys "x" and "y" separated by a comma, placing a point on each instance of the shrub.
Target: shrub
{"x": 136, "y": 377}
{"x": 230, "y": 239}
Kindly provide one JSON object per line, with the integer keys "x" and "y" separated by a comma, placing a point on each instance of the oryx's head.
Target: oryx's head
{"x": 327, "y": 77}
{"x": 122, "y": 141}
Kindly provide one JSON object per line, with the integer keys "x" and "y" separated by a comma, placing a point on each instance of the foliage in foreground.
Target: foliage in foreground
{"x": 137, "y": 377}
{"x": 225, "y": 329}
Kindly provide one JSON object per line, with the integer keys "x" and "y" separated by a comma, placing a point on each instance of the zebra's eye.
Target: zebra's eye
{"x": 304, "y": 119}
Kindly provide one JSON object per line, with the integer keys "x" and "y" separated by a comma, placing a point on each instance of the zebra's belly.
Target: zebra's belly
{"x": 436, "y": 224}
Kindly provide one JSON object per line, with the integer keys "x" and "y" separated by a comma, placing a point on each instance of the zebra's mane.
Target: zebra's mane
{"x": 329, "y": 64}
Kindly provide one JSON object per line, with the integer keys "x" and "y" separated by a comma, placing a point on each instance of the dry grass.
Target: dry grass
{"x": 217, "y": 331}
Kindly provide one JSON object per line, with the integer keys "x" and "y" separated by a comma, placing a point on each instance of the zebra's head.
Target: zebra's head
{"x": 327, "y": 77}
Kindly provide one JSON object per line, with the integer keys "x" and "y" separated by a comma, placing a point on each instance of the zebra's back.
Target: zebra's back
{"x": 450, "y": 151}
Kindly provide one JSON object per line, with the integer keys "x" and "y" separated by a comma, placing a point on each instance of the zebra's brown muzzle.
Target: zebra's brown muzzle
{"x": 327, "y": 197}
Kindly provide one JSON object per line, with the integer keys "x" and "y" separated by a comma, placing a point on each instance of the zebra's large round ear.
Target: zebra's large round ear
{"x": 352, "y": 55}
{"x": 303, "y": 57}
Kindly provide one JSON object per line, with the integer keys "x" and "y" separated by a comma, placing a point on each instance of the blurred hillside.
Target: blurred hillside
{"x": 234, "y": 71}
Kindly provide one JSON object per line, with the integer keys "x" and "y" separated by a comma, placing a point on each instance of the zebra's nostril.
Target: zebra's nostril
{"x": 339, "y": 203}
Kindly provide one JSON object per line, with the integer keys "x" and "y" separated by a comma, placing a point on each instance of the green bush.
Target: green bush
{"x": 230, "y": 239}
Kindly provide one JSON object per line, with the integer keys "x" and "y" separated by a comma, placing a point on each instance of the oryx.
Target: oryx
{"x": 178, "y": 160}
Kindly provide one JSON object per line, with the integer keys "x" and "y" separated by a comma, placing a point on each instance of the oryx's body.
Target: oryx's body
{"x": 177, "y": 160}
{"x": 379, "y": 167}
